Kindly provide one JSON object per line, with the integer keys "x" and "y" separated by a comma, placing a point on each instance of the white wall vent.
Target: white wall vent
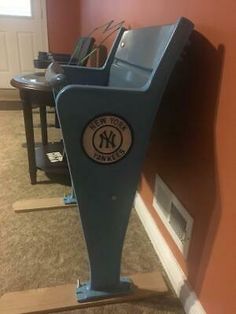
{"x": 174, "y": 216}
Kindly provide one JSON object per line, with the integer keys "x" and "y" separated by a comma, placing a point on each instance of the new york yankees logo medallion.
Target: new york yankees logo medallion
{"x": 107, "y": 139}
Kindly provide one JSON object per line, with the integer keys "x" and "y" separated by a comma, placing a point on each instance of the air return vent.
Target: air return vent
{"x": 174, "y": 216}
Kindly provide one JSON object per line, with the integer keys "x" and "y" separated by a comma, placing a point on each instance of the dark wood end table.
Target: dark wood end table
{"x": 36, "y": 92}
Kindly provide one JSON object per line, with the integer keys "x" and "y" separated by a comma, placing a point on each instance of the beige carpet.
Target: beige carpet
{"x": 47, "y": 248}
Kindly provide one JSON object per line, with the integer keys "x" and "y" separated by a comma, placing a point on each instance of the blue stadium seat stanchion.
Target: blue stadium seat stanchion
{"x": 106, "y": 125}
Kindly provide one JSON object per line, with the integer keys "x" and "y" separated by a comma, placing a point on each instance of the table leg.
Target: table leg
{"x": 29, "y": 132}
{"x": 43, "y": 120}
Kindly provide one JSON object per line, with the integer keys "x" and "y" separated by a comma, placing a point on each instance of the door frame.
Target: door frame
{"x": 44, "y": 22}
{"x": 9, "y": 92}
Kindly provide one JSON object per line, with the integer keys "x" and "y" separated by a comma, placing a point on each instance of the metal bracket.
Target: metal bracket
{"x": 70, "y": 198}
{"x": 84, "y": 292}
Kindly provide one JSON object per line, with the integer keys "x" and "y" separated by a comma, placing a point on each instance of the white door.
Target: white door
{"x": 23, "y": 33}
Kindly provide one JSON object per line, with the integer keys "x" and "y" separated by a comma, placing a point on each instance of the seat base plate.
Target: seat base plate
{"x": 85, "y": 293}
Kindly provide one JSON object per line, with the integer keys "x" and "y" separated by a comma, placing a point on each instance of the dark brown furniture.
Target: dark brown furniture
{"x": 83, "y": 47}
{"x": 35, "y": 92}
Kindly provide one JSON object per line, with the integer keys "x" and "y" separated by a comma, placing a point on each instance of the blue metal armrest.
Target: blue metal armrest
{"x": 109, "y": 93}
{"x": 86, "y": 75}
{"x": 58, "y": 76}
{"x": 93, "y": 76}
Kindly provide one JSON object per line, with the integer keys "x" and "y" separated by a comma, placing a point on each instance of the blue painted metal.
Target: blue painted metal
{"x": 70, "y": 198}
{"x": 84, "y": 292}
{"x": 106, "y": 116}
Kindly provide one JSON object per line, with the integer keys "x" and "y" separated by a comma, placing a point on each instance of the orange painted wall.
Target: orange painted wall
{"x": 63, "y": 24}
{"x": 193, "y": 146}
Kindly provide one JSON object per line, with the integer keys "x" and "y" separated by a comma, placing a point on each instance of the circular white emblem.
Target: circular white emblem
{"x": 107, "y": 139}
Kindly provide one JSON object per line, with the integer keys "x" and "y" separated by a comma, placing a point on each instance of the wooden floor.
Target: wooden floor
{"x": 39, "y": 204}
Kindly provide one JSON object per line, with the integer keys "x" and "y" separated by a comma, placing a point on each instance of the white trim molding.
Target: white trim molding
{"x": 44, "y": 25}
{"x": 174, "y": 272}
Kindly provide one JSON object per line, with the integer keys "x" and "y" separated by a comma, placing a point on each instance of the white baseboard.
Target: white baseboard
{"x": 9, "y": 94}
{"x": 175, "y": 274}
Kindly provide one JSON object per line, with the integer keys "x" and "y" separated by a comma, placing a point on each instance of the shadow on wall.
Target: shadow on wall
{"x": 182, "y": 147}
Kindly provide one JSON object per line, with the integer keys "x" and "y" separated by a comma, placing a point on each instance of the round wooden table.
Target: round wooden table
{"x": 36, "y": 92}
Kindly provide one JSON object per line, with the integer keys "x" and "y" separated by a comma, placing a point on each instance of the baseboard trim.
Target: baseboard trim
{"x": 6, "y": 105}
{"x": 9, "y": 94}
{"x": 175, "y": 274}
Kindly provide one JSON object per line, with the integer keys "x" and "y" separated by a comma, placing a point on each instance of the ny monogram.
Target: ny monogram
{"x": 107, "y": 140}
